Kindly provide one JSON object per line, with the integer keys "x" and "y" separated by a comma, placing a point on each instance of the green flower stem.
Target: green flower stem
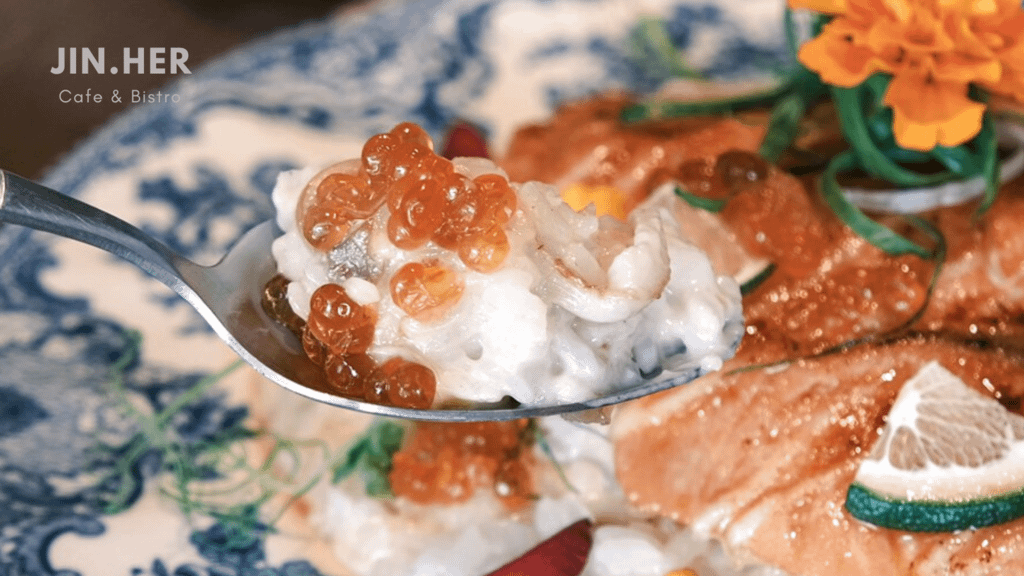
{"x": 877, "y": 234}
{"x": 871, "y": 159}
{"x": 938, "y": 256}
{"x": 988, "y": 148}
{"x": 791, "y": 35}
{"x": 706, "y": 204}
{"x": 668, "y": 109}
{"x": 958, "y": 160}
{"x": 653, "y": 47}
{"x": 783, "y": 126}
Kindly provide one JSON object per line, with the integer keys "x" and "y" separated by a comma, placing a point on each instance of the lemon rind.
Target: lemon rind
{"x": 932, "y": 516}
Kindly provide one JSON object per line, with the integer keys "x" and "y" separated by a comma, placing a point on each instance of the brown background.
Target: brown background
{"x": 36, "y": 128}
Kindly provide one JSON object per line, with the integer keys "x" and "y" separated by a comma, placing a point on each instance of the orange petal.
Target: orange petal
{"x": 1003, "y": 31}
{"x": 1011, "y": 82}
{"x": 1010, "y": 9}
{"x": 885, "y": 38}
{"x": 1013, "y": 57}
{"x": 961, "y": 69}
{"x": 930, "y": 112}
{"x": 1011, "y": 86}
{"x": 837, "y": 60}
{"x": 823, "y": 6}
{"x": 925, "y": 31}
{"x": 971, "y": 7}
{"x": 901, "y": 9}
{"x": 979, "y": 8}
{"x": 973, "y": 41}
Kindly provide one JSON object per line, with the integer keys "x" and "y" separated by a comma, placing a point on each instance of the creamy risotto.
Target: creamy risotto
{"x": 418, "y": 281}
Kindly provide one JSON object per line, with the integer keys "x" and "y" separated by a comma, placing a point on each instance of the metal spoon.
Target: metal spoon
{"x": 228, "y": 296}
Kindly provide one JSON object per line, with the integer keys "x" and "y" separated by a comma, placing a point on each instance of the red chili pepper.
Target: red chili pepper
{"x": 564, "y": 554}
{"x": 466, "y": 140}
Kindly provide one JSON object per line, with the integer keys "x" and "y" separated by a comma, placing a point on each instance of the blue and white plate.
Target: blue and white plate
{"x": 107, "y": 427}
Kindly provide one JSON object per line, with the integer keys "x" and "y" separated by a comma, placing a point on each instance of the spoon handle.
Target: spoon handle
{"x": 27, "y": 203}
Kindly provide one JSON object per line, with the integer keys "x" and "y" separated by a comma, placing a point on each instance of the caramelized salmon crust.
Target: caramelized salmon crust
{"x": 762, "y": 458}
{"x": 828, "y": 284}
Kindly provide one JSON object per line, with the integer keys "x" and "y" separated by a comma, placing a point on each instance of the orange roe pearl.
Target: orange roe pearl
{"x": 418, "y": 214}
{"x": 375, "y": 159}
{"x": 428, "y": 200}
{"x": 336, "y": 320}
{"x": 473, "y": 225}
{"x": 497, "y": 198}
{"x": 412, "y": 132}
{"x": 403, "y": 383}
{"x": 722, "y": 177}
{"x": 736, "y": 170}
{"x": 406, "y": 159}
{"x": 347, "y": 375}
{"x": 461, "y": 217}
{"x": 426, "y": 291}
{"x": 324, "y": 225}
{"x": 350, "y": 192}
{"x": 275, "y": 303}
{"x": 314, "y": 348}
{"x": 486, "y": 251}
{"x": 326, "y": 211}
{"x": 698, "y": 178}
{"x": 513, "y": 482}
{"x": 432, "y": 165}
{"x": 447, "y": 462}
{"x": 438, "y": 476}
{"x": 336, "y": 338}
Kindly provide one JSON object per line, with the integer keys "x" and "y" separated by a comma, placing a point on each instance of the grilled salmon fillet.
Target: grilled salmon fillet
{"x": 762, "y": 460}
{"x": 828, "y": 283}
{"x": 585, "y": 143}
{"x": 760, "y": 454}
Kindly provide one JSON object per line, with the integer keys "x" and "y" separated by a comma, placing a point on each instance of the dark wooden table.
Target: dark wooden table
{"x": 38, "y": 128}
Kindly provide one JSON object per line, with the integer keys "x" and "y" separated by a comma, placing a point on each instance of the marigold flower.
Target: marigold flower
{"x": 934, "y": 50}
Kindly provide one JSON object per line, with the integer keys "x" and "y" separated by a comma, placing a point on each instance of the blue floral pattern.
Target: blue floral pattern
{"x": 430, "y": 61}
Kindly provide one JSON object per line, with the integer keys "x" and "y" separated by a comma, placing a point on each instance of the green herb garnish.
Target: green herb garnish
{"x": 877, "y": 234}
{"x": 758, "y": 279}
{"x": 652, "y": 48}
{"x": 371, "y": 455}
{"x": 709, "y": 204}
{"x": 535, "y": 434}
{"x": 214, "y": 477}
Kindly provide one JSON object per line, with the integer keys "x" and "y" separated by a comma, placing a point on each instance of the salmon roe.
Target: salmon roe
{"x": 400, "y": 382}
{"x": 722, "y": 177}
{"x": 426, "y": 198}
{"x": 426, "y": 291}
{"x": 275, "y": 304}
{"x": 338, "y": 322}
{"x": 336, "y": 337}
{"x": 427, "y": 201}
{"x": 446, "y": 463}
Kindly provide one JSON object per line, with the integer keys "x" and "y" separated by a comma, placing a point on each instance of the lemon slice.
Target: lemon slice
{"x": 949, "y": 458}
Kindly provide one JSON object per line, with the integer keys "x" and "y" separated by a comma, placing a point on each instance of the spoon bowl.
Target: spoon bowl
{"x": 228, "y": 296}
